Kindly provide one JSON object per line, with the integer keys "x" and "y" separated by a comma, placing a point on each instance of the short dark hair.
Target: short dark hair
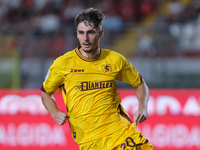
{"x": 90, "y": 15}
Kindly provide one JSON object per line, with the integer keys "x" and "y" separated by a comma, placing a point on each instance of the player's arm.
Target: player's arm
{"x": 50, "y": 105}
{"x": 142, "y": 92}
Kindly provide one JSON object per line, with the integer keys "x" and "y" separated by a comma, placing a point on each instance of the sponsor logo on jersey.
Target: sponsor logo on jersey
{"x": 106, "y": 68}
{"x": 89, "y": 85}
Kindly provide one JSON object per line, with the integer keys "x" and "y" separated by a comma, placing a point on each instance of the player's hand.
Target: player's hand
{"x": 60, "y": 117}
{"x": 140, "y": 115}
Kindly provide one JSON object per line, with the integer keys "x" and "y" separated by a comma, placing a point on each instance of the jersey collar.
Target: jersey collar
{"x": 85, "y": 58}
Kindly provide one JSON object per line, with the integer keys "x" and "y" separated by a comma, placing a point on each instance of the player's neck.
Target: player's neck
{"x": 91, "y": 54}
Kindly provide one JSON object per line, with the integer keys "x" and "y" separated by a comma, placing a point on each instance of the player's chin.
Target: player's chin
{"x": 88, "y": 50}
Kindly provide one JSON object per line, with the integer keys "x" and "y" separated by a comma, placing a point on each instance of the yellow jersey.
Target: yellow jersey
{"x": 89, "y": 91}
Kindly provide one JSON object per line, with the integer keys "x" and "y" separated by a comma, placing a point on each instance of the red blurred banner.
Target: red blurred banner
{"x": 173, "y": 121}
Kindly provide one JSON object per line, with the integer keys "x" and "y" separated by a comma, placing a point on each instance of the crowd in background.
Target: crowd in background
{"x": 50, "y": 15}
{"x": 55, "y": 19}
{"x": 35, "y": 32}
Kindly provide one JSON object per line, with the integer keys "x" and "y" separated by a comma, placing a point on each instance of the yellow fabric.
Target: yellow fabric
{"x": 125, "y": 139}
{"x": 89, "y": 92}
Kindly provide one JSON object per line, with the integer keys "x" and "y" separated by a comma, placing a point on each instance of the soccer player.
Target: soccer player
{"x": 87, "y": 77}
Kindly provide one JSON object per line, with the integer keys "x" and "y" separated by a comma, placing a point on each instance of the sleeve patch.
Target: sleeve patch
{"x": 47, "y": 75}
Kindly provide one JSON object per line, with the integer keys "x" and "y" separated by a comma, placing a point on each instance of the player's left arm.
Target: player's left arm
{"x": 142, "y": 92}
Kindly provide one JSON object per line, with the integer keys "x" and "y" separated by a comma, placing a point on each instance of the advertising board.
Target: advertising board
{"x": 173, "y": 120}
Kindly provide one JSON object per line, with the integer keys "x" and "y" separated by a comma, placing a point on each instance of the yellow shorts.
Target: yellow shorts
{"x": 125, "y": 139}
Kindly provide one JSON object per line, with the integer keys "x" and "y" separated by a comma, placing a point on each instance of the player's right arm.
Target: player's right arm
{"x": 53, "y": 81}
{"x": 49, "y": 103}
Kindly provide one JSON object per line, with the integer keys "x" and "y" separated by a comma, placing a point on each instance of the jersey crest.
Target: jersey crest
{"x": 107, "y": 68}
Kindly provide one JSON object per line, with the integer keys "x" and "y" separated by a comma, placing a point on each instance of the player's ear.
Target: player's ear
{"x": 101, "y": 33}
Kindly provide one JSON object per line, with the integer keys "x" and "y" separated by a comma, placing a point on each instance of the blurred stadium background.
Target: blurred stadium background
{"x": 161, "y": 38}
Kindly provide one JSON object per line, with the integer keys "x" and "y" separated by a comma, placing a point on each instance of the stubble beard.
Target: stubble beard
{"x": 90, "y": 50}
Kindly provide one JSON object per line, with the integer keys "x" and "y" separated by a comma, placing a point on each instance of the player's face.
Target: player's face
{"x": 88, "y": 36}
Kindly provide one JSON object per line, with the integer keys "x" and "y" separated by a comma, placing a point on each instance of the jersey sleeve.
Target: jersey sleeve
{"x": 54, "y": 78}
{"x": 128, "y": 73}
